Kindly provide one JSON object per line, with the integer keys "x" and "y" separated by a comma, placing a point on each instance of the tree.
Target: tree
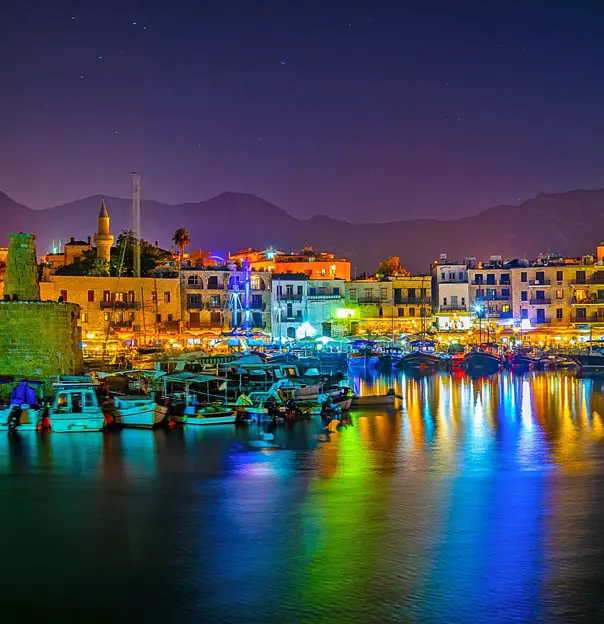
{"x": 123, "y": 252}
{"x": 202, "y": 258}
{"x": 181, "y": 239}
{"x": 392, "y": 267}
{"x": 83, "y": 266}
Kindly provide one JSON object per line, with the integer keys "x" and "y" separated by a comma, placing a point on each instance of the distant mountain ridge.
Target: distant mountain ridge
{"x": 570, "y": 223}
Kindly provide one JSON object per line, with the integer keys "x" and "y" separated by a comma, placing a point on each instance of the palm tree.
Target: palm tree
{"x": 181, "y": 239}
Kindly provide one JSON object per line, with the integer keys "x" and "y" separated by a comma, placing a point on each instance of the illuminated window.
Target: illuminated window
{"x": 106, "y": 295}
{"x": 559, "y": 294}
{"x": 84, "y": 317}
{"x": 505, "y": 307}
{"x": 106, "y": 316}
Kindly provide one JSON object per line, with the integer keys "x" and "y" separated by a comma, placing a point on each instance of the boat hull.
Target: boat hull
{"x": 202, "y": 421}
{"x": 140, "y": 415}
{"x": 590, "y": 364}
{"x": 419, "y": 360}
{"x": 387, "y": 400}
{"x": 76, "y": 423}
{"x": 481, "y": 363}
{"x": 29, "y": 421}
{"x": 364, "y": 361}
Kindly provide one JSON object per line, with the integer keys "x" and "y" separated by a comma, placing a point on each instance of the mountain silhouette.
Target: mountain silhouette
{"x": 570, "y": 223}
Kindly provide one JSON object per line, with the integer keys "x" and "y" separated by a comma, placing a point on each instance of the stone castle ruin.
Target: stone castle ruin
{"x": 39, "y": 340}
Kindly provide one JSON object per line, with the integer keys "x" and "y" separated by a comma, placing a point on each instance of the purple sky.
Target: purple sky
{"x": 360, "y": 110}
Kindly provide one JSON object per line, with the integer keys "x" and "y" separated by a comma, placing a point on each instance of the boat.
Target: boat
{"x": 131, "y": 398}
{"x": 390, "y": 357}
{"x": 422, "y": 356}
{"x": 139, "y": 412}
{"x": 519, "y": 361}
{"x": 375, "y": 400}
{"x": 76, "y": 407}
{"x": 590, "y": 363}
{"x": 363, "y": 355}
{"x": 481, "y": 362}
{"x": 210, "y": 415}
{"x": 22, "y": 412}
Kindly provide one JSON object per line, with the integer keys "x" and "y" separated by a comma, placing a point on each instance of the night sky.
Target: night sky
{"x": 360, "y": 110}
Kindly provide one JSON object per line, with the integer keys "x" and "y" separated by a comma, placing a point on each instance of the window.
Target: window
{"x": 581, "y": 314}
{"x": 313, "y": 291}
{"x": 64, "y": 295}
{"x": 442, "y": 276}
{"x": 463, "y": 301}
{"x": 300, "y": 290}
{"x": 167, "y": 297}
{"x": 461, "y": 277}
{"x": 214, "y": 301}
{"x": 84, "y": 317}
{"x": 131, "y": 317}
{"x": 411, "y": 311}
{"x": 62, "y": 400}
{"x": 194, "y": 318}
{"x": 490, "y": 278}
{"x": 451, "y": 275}
{"x": 444, "y": 301}
{"x": 193, "y": 281}
{"x": 505, "y": 292}
{"x": 170, "y": 318}
{"x": 480, "y": 292}
{"x": 279, "y": 290}
{"x": 540, "y": 277}
{"x": 336, "y": 291}
{"x": 559, "y": 294}
{"x": 401, "y": 311}
{"x": 411, "y": 293}
{"x": 118, "y": 296}
{"x": 454, "y": 300}
{"x": 91, "y": 296}
{"x": 106, "y": 316}
{"x": 505, "y": 308}
{"x": 540, "y": 295}
{"x": 383, "y": 294}
{"x": 524, "y": 295}
{"x": 158, "y": 318}
{"x": 194, "y": 301}
{"x": 580, "y": 277}
{"x": 323, "y": 271}
{"x": 523, "y": 276}
{"x": 523, "y": 313}
{"x": 540, "y": 315}
{"x": 422, "y": 312}
{"x": 505, "y": 279}
{"x": 106, "y": 295}
{"x": 491, "y": 294}
{"x": 559, "y": 313}
{"x": 559, "y": 275}
{"x": 131, "y": 295}
{"x": 478, "y": 278}
{"x": 289, "y": 289}
{"x": 290, "y": 310}
{"x": 353, "y": 293}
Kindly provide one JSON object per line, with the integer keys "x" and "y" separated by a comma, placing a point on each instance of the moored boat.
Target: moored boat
{"x": 481, "y": 362}
{"x": 374, "y": 400}
{"x": 139, "y": 412}
{"x": 422, "y": 356}
{"x": 22, "y": 412}
{"x": 591, "y": 363}
{"x": 76, "y": 407}
{"x": 210, "y": 415}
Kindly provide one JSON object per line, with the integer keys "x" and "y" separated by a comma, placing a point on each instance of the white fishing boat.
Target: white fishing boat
{"x": 139, "y": 412}
{"x": 76, "y": 407}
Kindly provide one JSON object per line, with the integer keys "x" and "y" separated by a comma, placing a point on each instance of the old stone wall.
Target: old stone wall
{"x": 21, "y": 275}
{"x": 39, "y": 340}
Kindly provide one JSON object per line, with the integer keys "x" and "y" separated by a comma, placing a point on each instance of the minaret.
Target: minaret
{"x": 103, "y": 239}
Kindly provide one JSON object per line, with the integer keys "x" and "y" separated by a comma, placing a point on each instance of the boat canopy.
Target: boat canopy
{"x": 189, "y": 378}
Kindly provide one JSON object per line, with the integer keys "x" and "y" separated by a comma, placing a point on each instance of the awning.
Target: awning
{"x": 186, "y": 377}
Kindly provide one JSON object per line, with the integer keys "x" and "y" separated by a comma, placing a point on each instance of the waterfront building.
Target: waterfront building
{"x": 451, "y": 294}
{"x": 214, "y": 299}
{"x": 289, "y": 302}
{"x": 388, "y": 305}
{"x": 313, "y": 264}
{"x": 490, "y": 290}
{"x": 325, "y": 297}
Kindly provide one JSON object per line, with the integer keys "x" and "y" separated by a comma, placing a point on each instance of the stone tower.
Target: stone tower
{"x": 21, "y": 276}
{"x": 103, "y": 239}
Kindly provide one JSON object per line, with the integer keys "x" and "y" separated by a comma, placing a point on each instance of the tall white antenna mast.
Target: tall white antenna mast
{"x": 136, "y": 221}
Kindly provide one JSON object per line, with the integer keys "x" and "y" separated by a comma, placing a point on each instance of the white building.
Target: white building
{"x": 289, "y": 293}
{"x": 452, "y": 294}
{"x": 324, "y": 297}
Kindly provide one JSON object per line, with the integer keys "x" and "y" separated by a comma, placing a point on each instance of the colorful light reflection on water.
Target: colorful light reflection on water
{"x": 479, "y": 500}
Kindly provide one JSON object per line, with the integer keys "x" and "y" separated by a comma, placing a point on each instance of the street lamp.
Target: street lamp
{"x": 479, "y": 310}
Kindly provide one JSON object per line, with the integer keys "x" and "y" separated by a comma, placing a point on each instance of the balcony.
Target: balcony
{"x": 453, "y": 308}
{"x": 324, "y": 297}
{"x": 194, "y": 286}
{"x": 122, "y": 324}
{"x": 292, "y": 318}
{"x": 588, "y": 318}
{"x": 543, "y": 321}
{"x": 194, "y": 305}
{"x": 540, "y": 301}
{"x": 596, "y": 278}
{"x": 588, "y": 301}
{"x": 500, "y": 315}
{"x": 120, "y": 305}
{"x": 206, "y": 325}
{"x": 289, "y": 297}
{"x": 215, "y": 305}
{"x": 364, "y": 299}
{"x": 412, "y": 300}
{"x": 543, "y": 282}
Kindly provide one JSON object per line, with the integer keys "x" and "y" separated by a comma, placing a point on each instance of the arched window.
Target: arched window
{"x": 194, "y": 281}
{"x": 257, "y": 283}
{"x": 215, "y": 283}
{"x": 235, "y": 282}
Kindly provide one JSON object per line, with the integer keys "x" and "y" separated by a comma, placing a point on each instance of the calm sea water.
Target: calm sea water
{"x": 479, "y": 501}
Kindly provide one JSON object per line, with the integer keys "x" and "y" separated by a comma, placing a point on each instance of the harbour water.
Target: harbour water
{"x": 479, "y": 501}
